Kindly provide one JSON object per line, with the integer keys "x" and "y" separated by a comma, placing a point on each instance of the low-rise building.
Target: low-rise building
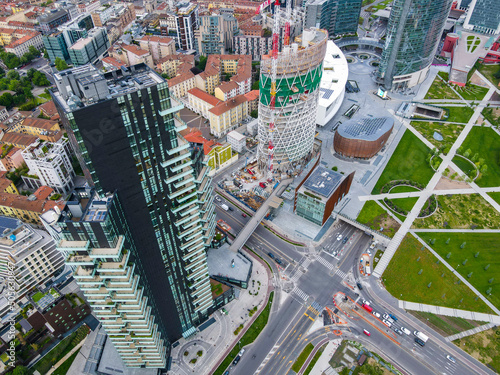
{"x": 253, "y": 100}
{"x": 236, "y": 140}
{"x": 6, "y": 185}
{"x": 36, "y": 126}
{"x": 226, "y": 90}
{"x": 49, "y": 110}
{"x": 49, "y": 165}
{"x": 228, "y": 115}
{"x": 158, "y": 46}
{"x": 201, "y": 102}
{"x": 30, "y": 208}
{"x": 134, "y": 55}
{"x": 17, "y": 139}
{"x": 30, "y": 254}
{"x": 180, "y": 85}
{"x": 11, "y": 158}
{"x": 319, "y": 193}
{"x": 174, "y": 65}
{"x": 21, "y": 46}
{"x": 4, "y": 114}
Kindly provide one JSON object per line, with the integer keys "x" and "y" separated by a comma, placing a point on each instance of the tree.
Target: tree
{"x": 20, "y": 370}
{"x": 7, "y": 100}
{"x": 255, "y": 85}
{"x": 254, "y": 113}
{"x": 13, "y": 74}
{"x": 462, "y": 245}
{"x": 448, "y": 256}
{"x": 10, "y": 60}
{"x": 33, "y": 51}
{"x": 40, "y": 79}
{"x": 61, "y": 64}
{"x": 202, "y": 63}
{"x": 448, "y": 241}
{"x": 31, "y": 72}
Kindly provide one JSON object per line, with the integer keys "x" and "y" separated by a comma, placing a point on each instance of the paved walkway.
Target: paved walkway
{"x": 61, "y": 361}
{"x": 440, "y": 310}
{"x": 322, "y": 365}
{"x": 428, "y": 191}
{"x": 458, "y": 230}
{"x": 470, "y": 332}
{"x": 477, "y": 189}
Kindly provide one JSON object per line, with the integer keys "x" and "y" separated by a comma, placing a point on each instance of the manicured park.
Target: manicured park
{"x": 461, "y": 211}
{"x": 435, "y": 285}
{"x": 489, "y": 72}
{"x": 485, "y": 245}
{"x": 459, "y": 114}
{"x": 374, "y": 216}
{"x": 449, "y": 132}
{"x": 440, "y": 90}
{"x": 408, "y": 162}
{"x": 486, "y": 143}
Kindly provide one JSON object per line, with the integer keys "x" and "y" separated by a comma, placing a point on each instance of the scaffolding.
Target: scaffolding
{"x": 292, "y": 112}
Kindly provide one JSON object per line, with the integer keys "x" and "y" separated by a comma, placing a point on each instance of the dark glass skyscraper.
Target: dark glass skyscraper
{"x": 124, "y": 127}
{"x": 336, "y": 16}
{"x": 413, "y": 34}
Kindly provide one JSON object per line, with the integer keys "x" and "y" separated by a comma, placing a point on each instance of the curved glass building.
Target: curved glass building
{"x": 413, "y": 33}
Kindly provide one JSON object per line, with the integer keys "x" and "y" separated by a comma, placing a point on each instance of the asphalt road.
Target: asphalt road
{"x": 317, "y": 277}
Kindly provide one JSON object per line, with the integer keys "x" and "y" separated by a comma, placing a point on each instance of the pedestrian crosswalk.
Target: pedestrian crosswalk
{"x": 341, "y": 274}
{"x": 268, "y": 357}
{"x": 295, "y": 276}
{"x": 316, "y": 308}
{"x": 305, "y": 263}
{"x": 298, "y": 293}
{"x": 325, "y": 263}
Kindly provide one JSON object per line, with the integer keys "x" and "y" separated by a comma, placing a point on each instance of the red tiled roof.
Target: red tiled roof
{"x": 210, "y": 99}
{"x": 135, "y": 50}
{"x": 252, "y": 95}
{"x": 112, "y": 61}
{"x": 228, "y": 105}
{"x": 157, "y": 39}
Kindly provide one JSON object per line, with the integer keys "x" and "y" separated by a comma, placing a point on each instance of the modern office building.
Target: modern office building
{"x": 336, "y": 16}
{"x": 299, "y": 71}
{"x": 319, "y": 193}
{"x": 483, "y": 16}
{"x": 141, "y": 237}
{"x": 27, "y": 255}
{"x": 50, "y": 165}
{"x": 90, "y": 49}
{"x": 50, "y": 21}
{"x": 362, "y": 139}
{"x": 413, "y": 35}
{"x": 333, "y": 81}
{"x": 215, "y": 34}
{"x": 186, "y": 22}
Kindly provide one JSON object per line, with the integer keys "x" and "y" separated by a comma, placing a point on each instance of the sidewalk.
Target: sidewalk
{"x": 439, "y": 310}
{"x": 470, "y": 332}
{"x": 54, "y": 368}
{"x": 323, "y": 364}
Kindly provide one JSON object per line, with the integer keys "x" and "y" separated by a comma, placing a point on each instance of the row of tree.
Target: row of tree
{"x": 12, "y": 61}
{"x": 21, "y": 86}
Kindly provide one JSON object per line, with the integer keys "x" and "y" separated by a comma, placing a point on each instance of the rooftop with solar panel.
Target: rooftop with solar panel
{"x": 367, "y": 128}
{"x": 83, "y": 205}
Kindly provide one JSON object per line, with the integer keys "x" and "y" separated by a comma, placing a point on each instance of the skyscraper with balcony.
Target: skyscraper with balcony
{"x": 413, "y": 34}
{"x": 138, "y": 240}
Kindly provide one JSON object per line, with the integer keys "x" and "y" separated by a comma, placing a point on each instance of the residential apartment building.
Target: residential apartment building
{"x": 138, "y": 241}
{"x": 28, "y": 208}
{"x": 17, "y": 139}
{"x": 215, "y": 34}
{"x": 174, "y": 65}
{"x": 4, "y": 114}
{"x": 133, "y": 55}
{"x": 228, "y": 115}
{"x": 158, "y": 46}
{"x": 89, "y": 49}
{"x": 180, "y": 85}
{"x": 11, "y": 158}
{"x": 186, "y": 22}
{"x": 201, "y": 102}
{"x": 49, "y": 165}
{"x": 36, "y": 126}
{"x": 226, "y": 90}
{"x": 6, "y": 185}
{"x": 21, "y": 46}
{"x": 30, "y": 254}
{"x": 236, "y": 140}
{"x": 116, "y": 18}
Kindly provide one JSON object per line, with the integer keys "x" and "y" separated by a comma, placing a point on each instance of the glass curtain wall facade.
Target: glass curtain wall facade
{"x": 124, "y": 125}
{"x": 413, "y": 34}
{"x": 344, "y": 16}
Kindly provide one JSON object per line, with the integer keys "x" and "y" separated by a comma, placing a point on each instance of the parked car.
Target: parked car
{"x": 387, "y": 323}
{"x": 241, "y": 352}
{"x": 227, "y": 372}
{"x": 406, "y": 330}
{"x": 271, "y": 255}
{"x": 262, "y": 185}
{"x": 236, "y": 360}
{"x": 366, "y": 332}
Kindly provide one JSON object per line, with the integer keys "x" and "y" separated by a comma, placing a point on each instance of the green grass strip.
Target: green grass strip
{"x": 302, "y": 357}
{"x": 315, "y": 359}
{"x": 250, "y": 335}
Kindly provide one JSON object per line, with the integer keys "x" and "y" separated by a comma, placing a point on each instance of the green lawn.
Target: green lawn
{"x": 37, "y": 296}
{"x": 465, "y": 166}
{"x": 405, "y": 203}
{"x": 376, "y": 217}
{"x": 488, "y": 71}
{"x": 314, "y": 360}
{"x": 472, "y": 92}
{"x": 402, "y": 280}
{"x": 45, "y": 96}
{"x": 486, "y": 142}
{"x": 440, "y": 90}
{"x": 488, "y": 246}
{"x": 299, "y": 362}
{"x": 492, "y": 115}
{"x": 408, "y": 162}
{"x": 484, "y": 346}
{"x": 63, "y": 369}
{"x": 403, "y": 189}
{"x": 495, "y": 196}
{"x": 461, "y": 211}
{"x": 450, "y": 132}
{"x": 445, "y": 325}
{"x": 59, "y": 351}
{"x": 250, "y": 335}
{"x": 459, "y": 114}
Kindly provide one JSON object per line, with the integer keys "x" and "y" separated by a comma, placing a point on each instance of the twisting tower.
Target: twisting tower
{"x": 289, "y": 89}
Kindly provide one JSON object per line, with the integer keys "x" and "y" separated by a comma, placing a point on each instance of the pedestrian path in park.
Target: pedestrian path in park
{"x": 470, "y": 332}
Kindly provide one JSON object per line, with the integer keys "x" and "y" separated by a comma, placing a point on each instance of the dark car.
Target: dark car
{"x": 271, "y": 255}
{"x": 230, "y": 208}
{"x": 359, "y": 286}
{"x": 227, "y": 372}
{"x": 393, "y": 317}
{"x": 345, "y": 240}
{"x": 236, "y": 360}
{"x": 419, "y": 341}
{"x": 278, "y": 261}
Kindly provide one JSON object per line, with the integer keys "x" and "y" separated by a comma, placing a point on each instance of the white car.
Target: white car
{"x": 406, "y": 330}
{"x": 450, "y": 358}
{"x": 366, "y": 302}
{"x": 387, "y": 323}
{"x": 339, "y": 237}
{"x": 376, "y": 314}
